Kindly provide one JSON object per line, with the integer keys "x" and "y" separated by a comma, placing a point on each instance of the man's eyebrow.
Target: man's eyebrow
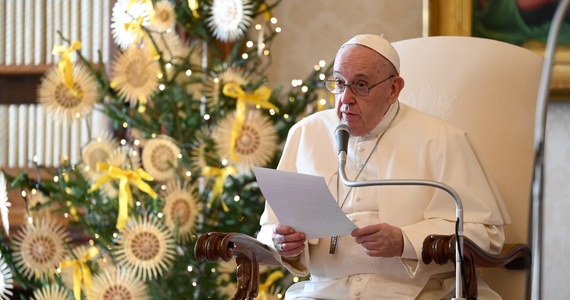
{"x": 357, "y": 76}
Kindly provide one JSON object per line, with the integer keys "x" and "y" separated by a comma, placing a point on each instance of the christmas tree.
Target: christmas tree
{"x": 191, "y": 115}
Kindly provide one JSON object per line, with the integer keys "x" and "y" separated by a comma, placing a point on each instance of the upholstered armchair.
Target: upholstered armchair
{"x": 485, "y": 87}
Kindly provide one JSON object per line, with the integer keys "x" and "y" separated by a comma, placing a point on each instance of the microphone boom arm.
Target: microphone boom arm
{"x": 439, "y": 185}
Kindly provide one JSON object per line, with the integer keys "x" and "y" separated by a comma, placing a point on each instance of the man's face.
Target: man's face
{"x": 356, "y": 64}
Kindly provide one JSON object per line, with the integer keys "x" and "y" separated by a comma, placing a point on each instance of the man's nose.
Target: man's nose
{"x": 347, "y": 96}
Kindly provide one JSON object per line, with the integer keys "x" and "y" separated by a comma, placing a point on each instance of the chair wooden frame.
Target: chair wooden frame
{"x": 440, "y": 249}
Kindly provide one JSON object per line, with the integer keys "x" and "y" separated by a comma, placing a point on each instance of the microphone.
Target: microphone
{"x": 342, "y": 133}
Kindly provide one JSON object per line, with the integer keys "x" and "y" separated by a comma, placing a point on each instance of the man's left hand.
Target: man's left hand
{"x": 381, "y": 240}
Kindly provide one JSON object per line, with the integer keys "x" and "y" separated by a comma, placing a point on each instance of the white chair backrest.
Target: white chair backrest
{"x": 489, "y": 89}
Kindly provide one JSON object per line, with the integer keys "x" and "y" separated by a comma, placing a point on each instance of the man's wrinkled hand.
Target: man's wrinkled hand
{"x": 380, "y": 240}
{"x": 287, "y": 241}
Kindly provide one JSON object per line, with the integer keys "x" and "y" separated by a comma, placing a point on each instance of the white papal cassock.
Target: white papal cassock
{"x": 414, "y": 145}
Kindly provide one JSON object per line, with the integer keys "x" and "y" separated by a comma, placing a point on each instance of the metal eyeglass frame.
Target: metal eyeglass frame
{"x": 340, "y": 91}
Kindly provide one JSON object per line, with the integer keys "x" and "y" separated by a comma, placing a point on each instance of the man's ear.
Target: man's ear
{"x": 397, "y": 86}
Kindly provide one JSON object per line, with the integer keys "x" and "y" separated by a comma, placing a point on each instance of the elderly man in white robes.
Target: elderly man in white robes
{"x": 381, "y": 259}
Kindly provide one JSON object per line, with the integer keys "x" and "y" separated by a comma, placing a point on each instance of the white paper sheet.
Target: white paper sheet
{"x": 303, "y": 202}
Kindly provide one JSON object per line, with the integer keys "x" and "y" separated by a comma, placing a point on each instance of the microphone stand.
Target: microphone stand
{"x": 439, "y": 185}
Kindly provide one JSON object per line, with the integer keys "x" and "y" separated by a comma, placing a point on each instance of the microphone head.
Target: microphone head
{"x": 342, "y": 133}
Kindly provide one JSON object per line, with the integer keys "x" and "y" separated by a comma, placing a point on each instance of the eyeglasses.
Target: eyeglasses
{"x": 337, "y": 86}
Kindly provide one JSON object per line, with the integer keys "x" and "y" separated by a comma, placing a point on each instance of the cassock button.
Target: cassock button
{"x": 357, "y": 200}
{"x": 360, "y": 148}
{"x": 360, "y": 165}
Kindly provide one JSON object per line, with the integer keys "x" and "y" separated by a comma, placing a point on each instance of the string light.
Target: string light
{"x": 55, "y": 179}
{"x": 159, "y": 215}
{"x": 136, "y": 142}
{"x": 295, "y": 279}
{"x": 206, "y": 117}
{"x": 244, "y": 56}
{"x": 236, "y": 198}
{"x": 161, "y": 87}
{"x": 273, "y": 20}
{"x": 163, "y": 187}
{"x": 249, "y": 44}
{"x": 272, "y": 112}
{"x": 224, "y": 162}
{"x": 286, "y": 116}
{"x": 322, "y": 63}
{"x": 322, "y": 102}
{"x": 265, "y": 52}
{"x": 278, "y": 29}
{"x": 189, "y": 268}
{"x": 188, "y": 173}
{"x": 77, "y": 115}
{"x": 257, "y": 26}
{"x": 168, "y": 65}
{"x": 188, "y": 72}
{"x": 179, "y": 156}
{"x": 23, "y": 193}
{"x": 322, "y": 76}
{"x": 304, "y": 89}
{"x": 91, "y": 242}
{"x": 123, "y": 142}
{"x": 159, "y": 75}
{"x": 125, "y": 124}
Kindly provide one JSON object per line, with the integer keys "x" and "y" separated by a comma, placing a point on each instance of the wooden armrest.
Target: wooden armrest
{"x": 249, "y": 254}
{"x": 441, "y": 250}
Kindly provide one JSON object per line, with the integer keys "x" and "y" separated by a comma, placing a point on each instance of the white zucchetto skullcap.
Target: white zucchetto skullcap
{"x": 378, "y": 44}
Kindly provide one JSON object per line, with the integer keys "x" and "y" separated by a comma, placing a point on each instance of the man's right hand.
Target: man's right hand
{"x": 287, "y": 241}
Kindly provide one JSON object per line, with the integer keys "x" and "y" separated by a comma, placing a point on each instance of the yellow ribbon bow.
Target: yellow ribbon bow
{"x": 193, "y": 6}
{"x": 266, "y": 12}
{"x": 136, "y": 177}
{"x": 136, "y": 28}
{"x": 264, "y": 287}
{"x": 218, "y": 189}
{"x": 65, "y": 66}
{"x": 81, "y": 272}
{"x": 259, "y": 97}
